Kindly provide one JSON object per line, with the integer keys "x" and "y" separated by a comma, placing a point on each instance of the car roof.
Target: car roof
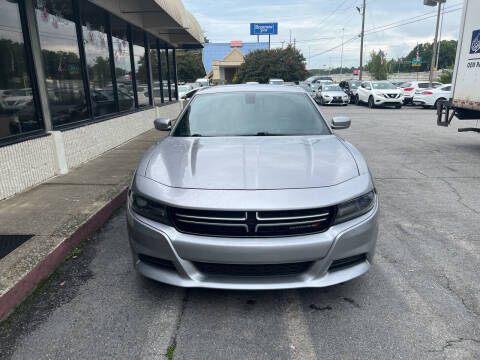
{"x": 252, "y": 88}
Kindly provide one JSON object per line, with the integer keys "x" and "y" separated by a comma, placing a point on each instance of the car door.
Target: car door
{"x": 364, "y": 91}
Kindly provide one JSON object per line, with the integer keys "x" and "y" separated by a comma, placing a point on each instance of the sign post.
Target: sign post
{"x": 264, "y": 29}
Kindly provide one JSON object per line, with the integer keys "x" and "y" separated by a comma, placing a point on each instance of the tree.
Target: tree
{"x": 189, "y": 65}
{"x": 377, "y": 67}
{"x": 260, "y": 65}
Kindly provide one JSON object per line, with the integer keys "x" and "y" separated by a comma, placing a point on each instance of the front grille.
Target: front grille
{"x": 252, "y": 270}
{"x": 337, "y": 99}
{"x": 252, "y": 223}
{"x": 393, "y": 96}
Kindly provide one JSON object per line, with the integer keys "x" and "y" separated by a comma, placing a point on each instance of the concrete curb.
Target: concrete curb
{"x": 11, "y": 299}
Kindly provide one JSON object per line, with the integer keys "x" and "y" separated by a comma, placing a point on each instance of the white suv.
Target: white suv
{"x": 379, "y": 93}
{"x": 412, "y": 87}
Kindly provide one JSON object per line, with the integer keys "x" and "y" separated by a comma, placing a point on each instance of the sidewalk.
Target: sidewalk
{"x": 61, "y": 213}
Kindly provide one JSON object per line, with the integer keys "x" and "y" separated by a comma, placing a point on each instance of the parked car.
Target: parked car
{"x": 300, "y": 210}
{"x": 252, "y": 82}
{"x": 410, "y": 87}
{"x": 379, "y": 93}
{"x": 316, "y": 78}
{"x": 350, "y": 87}
{"x": 15, "y": 99}
{"x": 203, "y": 82}
{"x": 183, "y": 89}
{"x": 309, "y": 89}
{"x": 430, "y": 97}
{"x": 328, "y": 94}
{"x": 275, "y": 81}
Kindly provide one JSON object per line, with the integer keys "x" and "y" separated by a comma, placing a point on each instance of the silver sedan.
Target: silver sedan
{"x": 331, "y": 94}
{"x": 252, "y": 189}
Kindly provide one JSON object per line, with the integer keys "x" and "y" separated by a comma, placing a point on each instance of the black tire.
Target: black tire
{"x": 357, "y": 100}
{"x": 435, "y": 106}
{"x": 371, "y": 102}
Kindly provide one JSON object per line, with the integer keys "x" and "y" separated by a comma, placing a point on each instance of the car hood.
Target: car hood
{"x": 334, "y": 93}
{"x": 388, "y": 91}
{"x": 251, "y": 163}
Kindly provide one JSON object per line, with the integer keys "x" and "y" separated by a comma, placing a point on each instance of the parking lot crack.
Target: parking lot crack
{"x": 459, "y": 197}
{"x": 453, "y": 291}
{"x": 453, "y": 342}
{"x": 173, "y": 342}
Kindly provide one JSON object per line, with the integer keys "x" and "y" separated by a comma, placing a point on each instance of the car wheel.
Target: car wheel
{"x": 357, "y": 100}
{"x": 371, "y": 102}
{"x": 435, "y": 106}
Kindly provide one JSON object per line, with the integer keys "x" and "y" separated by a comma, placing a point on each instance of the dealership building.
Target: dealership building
{"x": 222, "y": 60}
{"x": 80, "y": 77}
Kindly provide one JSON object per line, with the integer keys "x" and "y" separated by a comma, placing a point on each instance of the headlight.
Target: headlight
{"x": 355, "y": 208}
{"x": 150, "y": 209}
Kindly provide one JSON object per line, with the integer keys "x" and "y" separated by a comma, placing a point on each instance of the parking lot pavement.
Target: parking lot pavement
{"x": 421, "y": 298}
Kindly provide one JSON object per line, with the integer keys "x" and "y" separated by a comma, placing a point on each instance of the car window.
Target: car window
{"x": 250, "y": 113}
{"x": 332, "y": 88}
{"x": 383, "y": 85}
{"x": 354, "y": 84}
{"x": 447, "y": 88}
{"x": 423, "y": 85}
{"x": 406, "y": 84}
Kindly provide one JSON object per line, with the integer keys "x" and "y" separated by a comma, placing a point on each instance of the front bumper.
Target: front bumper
{"x": 336, "y": 101}
{"x": 381, "y": 100}
{"x": 184, "y": 251}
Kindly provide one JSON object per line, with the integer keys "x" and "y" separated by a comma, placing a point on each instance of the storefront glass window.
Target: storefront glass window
{"x": 17, "y": 110}
{"x": 98, "y": 59}
{"x": 58, "y": 40}
{"x": 141, "y": 69}
{"x": 123, "y": 68}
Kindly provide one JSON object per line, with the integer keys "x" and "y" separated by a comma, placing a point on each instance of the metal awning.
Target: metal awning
{"x": 166, "y": 19}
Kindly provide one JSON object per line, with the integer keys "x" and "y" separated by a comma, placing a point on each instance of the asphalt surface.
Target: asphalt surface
{"x": 421, "y": 298}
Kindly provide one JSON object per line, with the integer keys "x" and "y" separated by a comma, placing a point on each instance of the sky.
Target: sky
{"x": 317, "y": 25}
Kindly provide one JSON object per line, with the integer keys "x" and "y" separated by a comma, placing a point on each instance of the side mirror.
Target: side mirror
{"x": 162, "y": 124}
{"x": 341, "y": 122}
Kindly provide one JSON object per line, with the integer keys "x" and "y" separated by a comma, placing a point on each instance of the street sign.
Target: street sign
{"x": 263, "y": 28}
{"x": 417, "y": 63}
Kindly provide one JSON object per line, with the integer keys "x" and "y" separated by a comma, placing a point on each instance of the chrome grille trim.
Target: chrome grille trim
{"x": 260, "y": 218}
{"x": 214, "y": 224}
{"x": 212, "y": 218}
{"x": 258, "y": 226}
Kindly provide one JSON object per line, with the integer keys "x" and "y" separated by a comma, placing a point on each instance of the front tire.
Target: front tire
{"x": 357, "y": 100}
{"x": 371, "y": 102}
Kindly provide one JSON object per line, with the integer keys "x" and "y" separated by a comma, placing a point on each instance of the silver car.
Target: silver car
{"x": 328, "y": 94}
{"x": 252, "y": 190}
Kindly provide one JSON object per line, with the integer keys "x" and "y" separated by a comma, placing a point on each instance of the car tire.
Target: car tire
{"x": 371, "y": 102}
{"x": 357, "y": 100}
{"x": 435, "y": 106}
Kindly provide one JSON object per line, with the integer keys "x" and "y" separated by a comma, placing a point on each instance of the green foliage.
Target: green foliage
{"x": 378, "y": 70}
{"x": 337, "y": 70}
{"x": 260, "y": 65}
{"x": 189, "y": 65}
{"x": 445, "y": 77}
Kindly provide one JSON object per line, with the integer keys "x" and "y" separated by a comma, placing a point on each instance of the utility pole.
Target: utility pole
{"x": 268, "y": 41}
{"x": 440, "y": 39}
{"x": 361, "y": 41}
{"x": 341, "y": 56}
{"x": 294, "y": 40}
{"x": 290, "y": 37}
{"x": 282, "y": 43}
{"x": 434, "y": 52}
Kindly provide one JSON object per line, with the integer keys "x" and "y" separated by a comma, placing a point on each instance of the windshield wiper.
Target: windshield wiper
{"x": 265, "y": 133}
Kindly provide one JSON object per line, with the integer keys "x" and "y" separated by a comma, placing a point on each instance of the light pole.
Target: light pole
{"x": 437, "y": 3}
{"x": 341, "y": 56}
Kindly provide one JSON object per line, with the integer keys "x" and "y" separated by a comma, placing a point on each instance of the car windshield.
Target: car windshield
{"x": 332, "y": 88}
{"x": 383, "y": 85}
{"x": 251, "y": 114}
{"x": 276, "y": 82}
{"x": 183, "y": 88}
{"x": 355, "y": 84}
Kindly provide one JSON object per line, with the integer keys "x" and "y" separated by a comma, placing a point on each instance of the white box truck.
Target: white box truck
{"x": 465, "y": 101}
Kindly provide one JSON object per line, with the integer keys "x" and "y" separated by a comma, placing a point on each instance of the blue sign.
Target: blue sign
{"x": 475, "y": 46}
{"x": 263, "y": 28}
